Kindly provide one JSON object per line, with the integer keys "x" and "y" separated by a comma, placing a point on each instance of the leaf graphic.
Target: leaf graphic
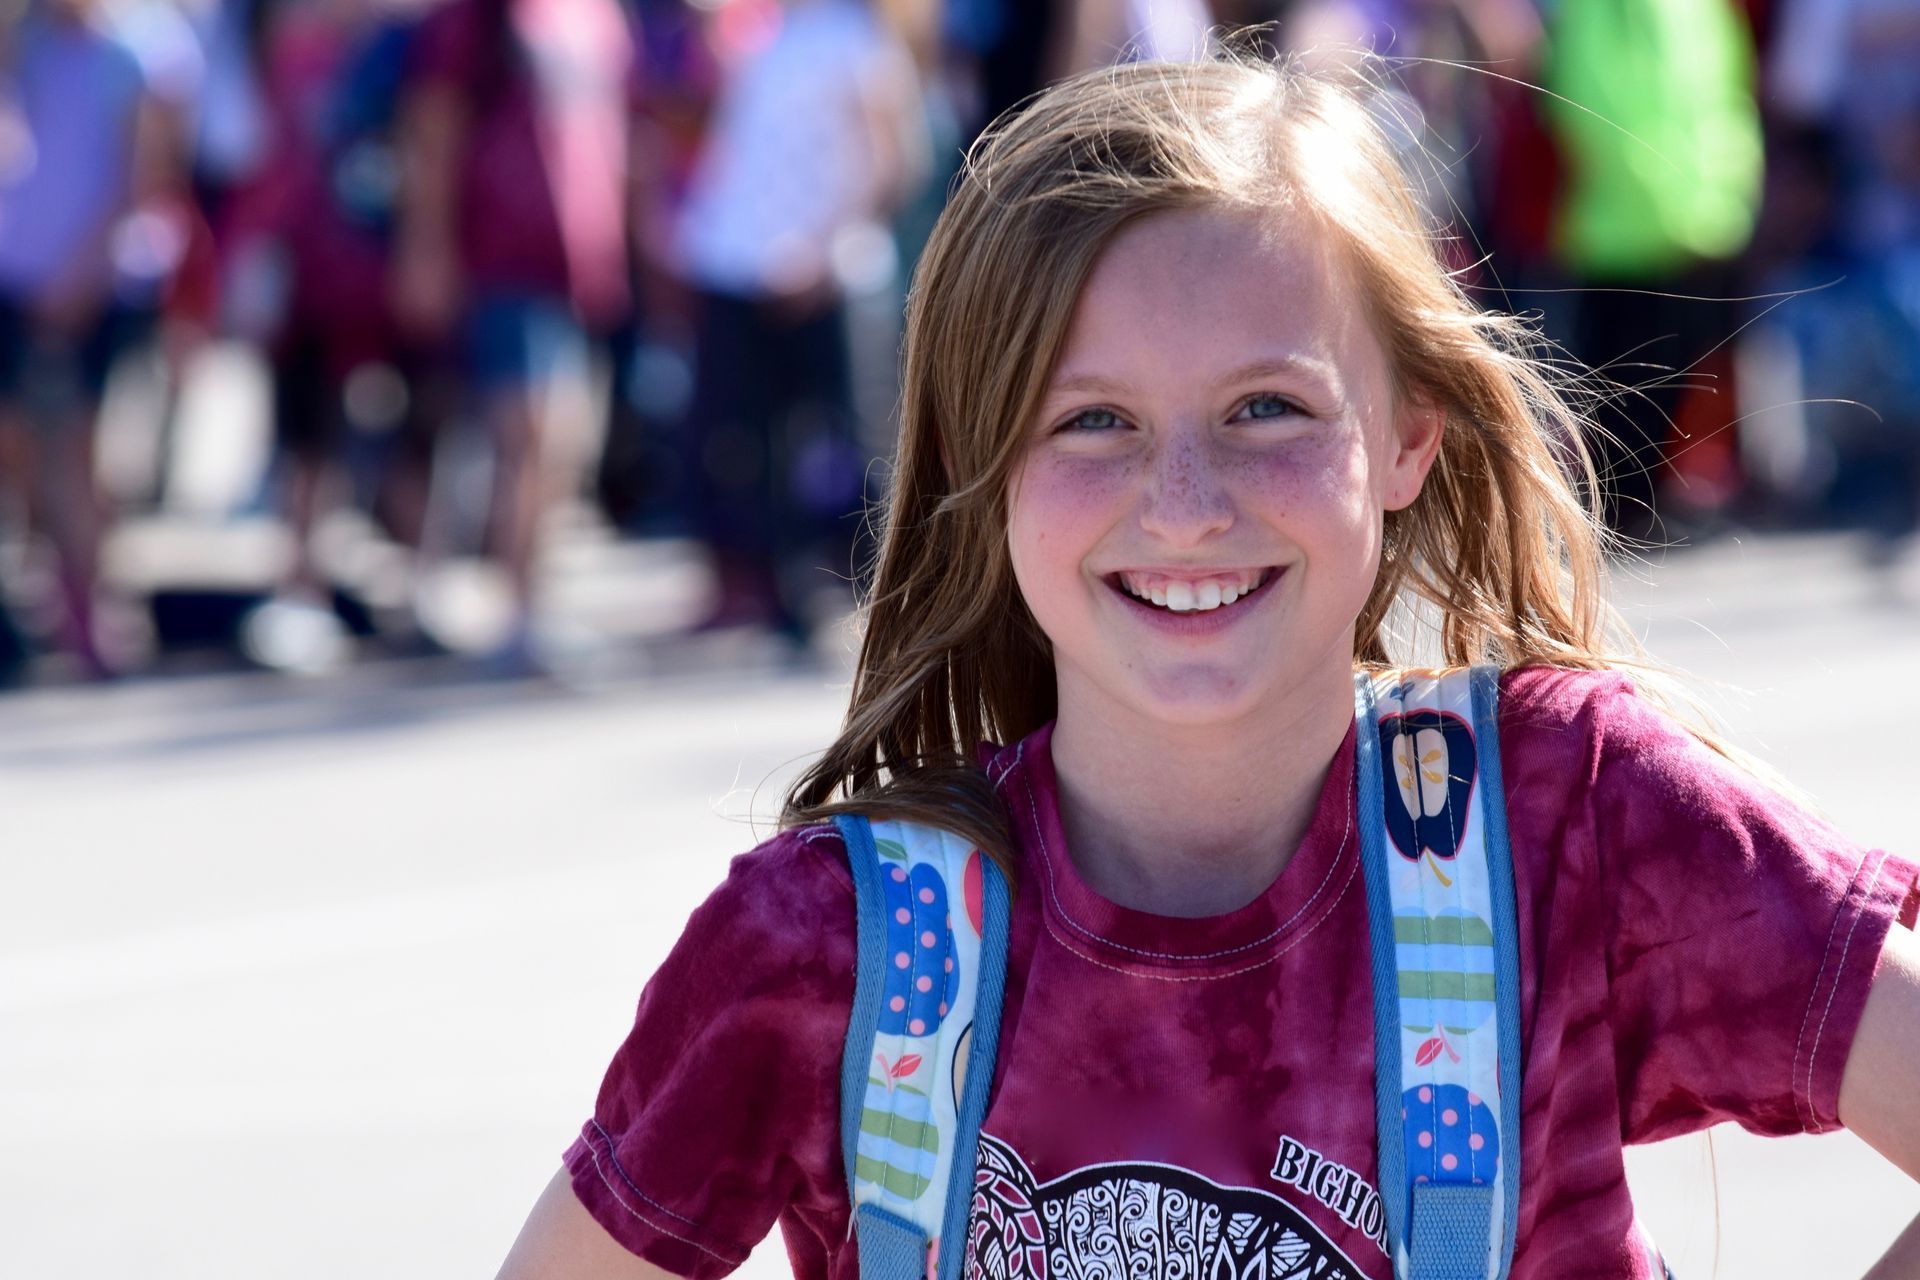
{"x": 906, "y": 1066}
{"x": 1434, "y": 863}
{"x": 1428, "y": 1052}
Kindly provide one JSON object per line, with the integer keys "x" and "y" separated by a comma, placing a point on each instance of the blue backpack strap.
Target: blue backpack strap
{"x": 1446, "y": 970}
{"x": 920, "y": 1042}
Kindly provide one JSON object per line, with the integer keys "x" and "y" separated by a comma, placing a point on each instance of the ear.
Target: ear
{"x": 1417, "y": 428}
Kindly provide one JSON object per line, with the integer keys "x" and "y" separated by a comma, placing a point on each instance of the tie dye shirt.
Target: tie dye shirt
{"x": 1177, "y": 1095}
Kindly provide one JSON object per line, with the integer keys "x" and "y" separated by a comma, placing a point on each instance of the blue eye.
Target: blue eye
{"x": 1269, "y": 406}
{"x": 1092, "y": 420}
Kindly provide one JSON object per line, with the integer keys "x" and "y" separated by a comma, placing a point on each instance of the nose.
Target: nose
{"x": 1187, "y": 497}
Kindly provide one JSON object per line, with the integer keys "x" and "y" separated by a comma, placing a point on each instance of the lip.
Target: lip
{"x": 1199, "y": 622}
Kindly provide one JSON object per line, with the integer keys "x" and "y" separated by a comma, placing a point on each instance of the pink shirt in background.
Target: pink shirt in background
{"x": 1694, "y": 948}
{"x": 542, "y": 191}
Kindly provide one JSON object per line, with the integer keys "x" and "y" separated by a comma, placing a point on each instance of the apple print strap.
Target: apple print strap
{"x": 921, "y": 1041}
{"x": 1446, "y": 980}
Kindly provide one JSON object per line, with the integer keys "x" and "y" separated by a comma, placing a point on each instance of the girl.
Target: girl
{"x": 1190, "y": 397}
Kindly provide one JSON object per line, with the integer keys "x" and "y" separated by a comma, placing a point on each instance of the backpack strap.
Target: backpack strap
{"x": 932, "y": 960}
{"x": 1446, "y": 970}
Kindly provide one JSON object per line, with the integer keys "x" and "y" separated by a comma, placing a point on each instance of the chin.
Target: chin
{"x": 1195, "y": 699}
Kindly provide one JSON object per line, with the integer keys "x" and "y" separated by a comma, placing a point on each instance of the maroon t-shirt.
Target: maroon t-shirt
{"x": 1694, "y": 948}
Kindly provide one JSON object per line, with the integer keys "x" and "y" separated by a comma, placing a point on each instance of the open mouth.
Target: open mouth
{"x": 1199, "y": 594}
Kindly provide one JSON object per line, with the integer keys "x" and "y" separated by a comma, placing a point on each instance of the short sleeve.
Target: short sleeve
{"x": 1744, "y": 932}
{"x": 719, "y": 1112}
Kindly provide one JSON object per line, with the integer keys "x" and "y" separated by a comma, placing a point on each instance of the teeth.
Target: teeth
{"x": 1179, "y": 596}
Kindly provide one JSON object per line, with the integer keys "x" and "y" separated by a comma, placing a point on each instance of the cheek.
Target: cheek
{"x": 1316, "y": 477}
{"x": 1060, "y": 507}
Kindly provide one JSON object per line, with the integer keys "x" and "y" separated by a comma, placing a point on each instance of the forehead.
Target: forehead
{"x": 1185, "y": 292}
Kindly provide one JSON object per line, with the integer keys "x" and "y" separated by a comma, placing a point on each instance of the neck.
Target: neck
{"x": 1193, "y": 820}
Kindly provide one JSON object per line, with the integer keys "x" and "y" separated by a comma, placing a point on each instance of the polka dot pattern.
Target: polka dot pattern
{"x": 1451, "y": 1135}
{"x": 920, "y": 979}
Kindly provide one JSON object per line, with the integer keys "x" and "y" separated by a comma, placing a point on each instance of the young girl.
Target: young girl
{"x": 1192, "y": 420}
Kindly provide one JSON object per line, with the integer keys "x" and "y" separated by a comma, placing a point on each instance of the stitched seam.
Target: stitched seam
{"x": 608, "y": 1139}
{"x": 1007, "y": 769}
{"x": 1053, "y": 891}
{"x": 1859, "y": 914}
{"x": 1800, "y": 1042}
{"x": 838, "y": 868}
{"x": 1210, "y": 977}
{"x": 593, "y": 1152}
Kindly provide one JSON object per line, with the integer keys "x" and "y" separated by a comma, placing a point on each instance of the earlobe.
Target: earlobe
{"x": 1418, "y": 433}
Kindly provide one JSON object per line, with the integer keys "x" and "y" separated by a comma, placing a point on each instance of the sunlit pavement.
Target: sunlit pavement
{"x": 316, "y": 978}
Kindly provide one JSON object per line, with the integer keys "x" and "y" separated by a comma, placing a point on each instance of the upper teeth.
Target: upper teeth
{"x": 1191, "y": 595}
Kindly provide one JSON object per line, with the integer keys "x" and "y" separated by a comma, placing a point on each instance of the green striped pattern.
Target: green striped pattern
{"x": 908, "y": 1186}
{"x": 1447, "y": 986}
{"x": 896, "y": 1151}
{"x": 1459, "y": 931}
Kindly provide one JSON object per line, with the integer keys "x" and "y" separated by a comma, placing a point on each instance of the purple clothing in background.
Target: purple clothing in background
{"x": 66, "y": 154}
{"x": 1694, "y": 948}
{"x": 542, "y": 185}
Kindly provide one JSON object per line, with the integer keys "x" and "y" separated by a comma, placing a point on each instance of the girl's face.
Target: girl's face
{"x": 1196, "y": 521}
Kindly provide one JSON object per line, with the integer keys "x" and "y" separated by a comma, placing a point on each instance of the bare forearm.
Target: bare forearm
{"x": 1902, "y": 1261}
{"x": 432, "y": 132}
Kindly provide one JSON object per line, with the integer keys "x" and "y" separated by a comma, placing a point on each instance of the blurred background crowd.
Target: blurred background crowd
{"x": 327, "y": 326}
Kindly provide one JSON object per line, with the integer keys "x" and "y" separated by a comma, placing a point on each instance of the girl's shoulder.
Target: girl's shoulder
{"x": 814, "y": 853}
{"x": 784, "y": 907}
{"x": 1555, "y": 699}
{"x": 1588, "y": 742}
{"x": 785, "y": 886}
{"x": 1582, "y": 722}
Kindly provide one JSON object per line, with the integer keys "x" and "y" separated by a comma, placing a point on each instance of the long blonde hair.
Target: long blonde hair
{"x": 1500, "y": 551}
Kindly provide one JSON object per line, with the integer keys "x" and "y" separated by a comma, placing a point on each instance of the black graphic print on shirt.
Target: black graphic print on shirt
{"x": 1113, "y": 1221}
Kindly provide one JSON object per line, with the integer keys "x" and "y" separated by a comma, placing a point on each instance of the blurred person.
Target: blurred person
{"x": 311, "y": 254}
{"x": 1106, "y": 31}
{"x": 815, "y": 140}
{"x": 95, "y": 97}
{"x": 1015, "y": 48}
{"x": 1659, "y": 133}
{"x": 510, "y": 241}
{"x": 1853, "y": 66}
{"x": 1842, "y": 221}
{"x": 230, "y": 141}
{"x": 645, "y": 479}
{"x": 1431, "y": 44}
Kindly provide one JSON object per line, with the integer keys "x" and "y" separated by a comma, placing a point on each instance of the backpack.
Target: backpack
{"x": 925, "y": 1025}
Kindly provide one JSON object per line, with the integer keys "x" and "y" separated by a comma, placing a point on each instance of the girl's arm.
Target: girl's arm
{"x": 561, "y": 1241}
{"x": 1880, "y": 1089}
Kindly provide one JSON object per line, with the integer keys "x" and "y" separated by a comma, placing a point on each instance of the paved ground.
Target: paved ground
{"x": 316, "y": 979}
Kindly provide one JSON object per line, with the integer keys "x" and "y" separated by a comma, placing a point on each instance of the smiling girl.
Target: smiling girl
{"x": 1194, "y": 425}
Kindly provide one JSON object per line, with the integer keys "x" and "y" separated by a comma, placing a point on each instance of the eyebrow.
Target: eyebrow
{"x": 1268, "y": 367}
